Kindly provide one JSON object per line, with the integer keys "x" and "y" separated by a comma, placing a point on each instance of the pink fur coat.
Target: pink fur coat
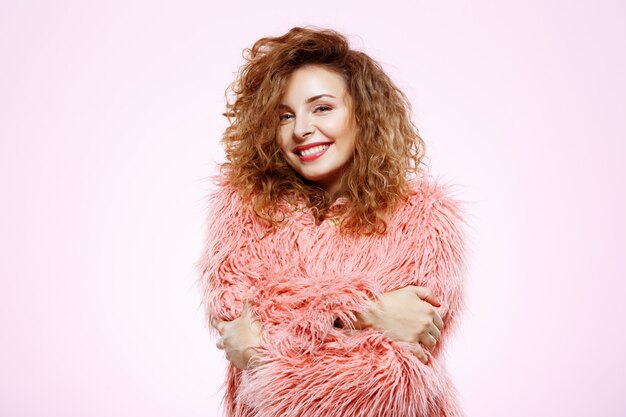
{"x": 301, "y": 277}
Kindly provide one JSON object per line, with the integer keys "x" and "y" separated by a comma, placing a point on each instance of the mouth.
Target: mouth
{"x": 313, "y": 153}
{"x": 312, "y": 145}
{"x": 312, "y": 150}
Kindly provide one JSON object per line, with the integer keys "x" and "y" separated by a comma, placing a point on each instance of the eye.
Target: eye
{"x": 285, "y": 116}
{"x": 323, "y": 108}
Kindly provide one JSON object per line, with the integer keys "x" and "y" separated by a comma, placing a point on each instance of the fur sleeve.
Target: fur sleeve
{"x": 439, "y": 249}
{"x": 363, "y": 374}
{"x": 221, "y": 280}
{"x": 300, "y": 309}
{"x": 231, "y": 271}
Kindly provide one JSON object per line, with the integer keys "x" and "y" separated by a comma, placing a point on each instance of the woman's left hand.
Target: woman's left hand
{"x": 407, "y": 314}
{"x": 240, "y": 338}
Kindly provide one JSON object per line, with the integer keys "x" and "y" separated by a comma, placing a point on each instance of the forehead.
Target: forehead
{"x": 312, "y": 80}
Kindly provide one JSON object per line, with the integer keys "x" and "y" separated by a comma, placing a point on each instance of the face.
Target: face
{"x": 317, "y": 130}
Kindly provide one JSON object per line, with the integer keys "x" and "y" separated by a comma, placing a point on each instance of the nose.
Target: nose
{"x": 303, "y": 128}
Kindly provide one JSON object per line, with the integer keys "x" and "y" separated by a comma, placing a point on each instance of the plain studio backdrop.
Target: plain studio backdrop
{"x": 110, "y": 118}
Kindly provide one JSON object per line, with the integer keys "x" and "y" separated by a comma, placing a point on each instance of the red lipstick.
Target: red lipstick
{"x": 314, "y": 156}
{"x": 309, "y": 145}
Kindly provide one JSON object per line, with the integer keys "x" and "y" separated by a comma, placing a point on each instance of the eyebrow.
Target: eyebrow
{"x": 311, "y": 99}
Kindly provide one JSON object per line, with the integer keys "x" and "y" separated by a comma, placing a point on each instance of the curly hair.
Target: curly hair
{"x": 388, "y": 147}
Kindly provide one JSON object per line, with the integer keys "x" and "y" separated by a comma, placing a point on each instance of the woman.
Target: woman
{"x": 332, "y": 276}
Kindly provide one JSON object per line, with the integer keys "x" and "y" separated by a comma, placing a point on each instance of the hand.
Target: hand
{"x": 240, "y": 338}
{"x": 408, "y": 315}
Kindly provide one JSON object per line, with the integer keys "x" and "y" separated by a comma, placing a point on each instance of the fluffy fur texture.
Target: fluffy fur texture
{"x": 301, "y": 276}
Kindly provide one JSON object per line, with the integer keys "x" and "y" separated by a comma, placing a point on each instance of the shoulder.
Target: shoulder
{"x": 430, "y": 198}
{"x": 429, "y": 188}
{"x": 222, "y": 200}
{"x": 224, "y": 193}
{"x": 225, "y": 207}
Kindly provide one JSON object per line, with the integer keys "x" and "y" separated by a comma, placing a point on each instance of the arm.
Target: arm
{"x": 360, "y": 374}
{"x": 225, "y": 268}
{"x": 415, "y": 313}
{"x": 220, "y": 285}
{"x": 226, "y": 264}
{"x": 223, "y": 285}
{"x": 407, "y": 314}
{"x": 299, "y": 310}
{"x": 440, "y": 254}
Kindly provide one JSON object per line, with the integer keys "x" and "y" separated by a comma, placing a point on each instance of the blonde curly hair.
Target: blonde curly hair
{"x": 388, "y": 147}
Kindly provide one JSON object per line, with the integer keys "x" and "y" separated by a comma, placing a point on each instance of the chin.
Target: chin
{"x": 316, "y": 177}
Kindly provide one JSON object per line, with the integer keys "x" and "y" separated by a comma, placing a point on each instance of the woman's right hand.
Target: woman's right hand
{"x": 407, "y": 314}
{"x": 240, "y": 338}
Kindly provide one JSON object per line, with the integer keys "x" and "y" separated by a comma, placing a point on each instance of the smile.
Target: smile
{"x": 312, "y": 153}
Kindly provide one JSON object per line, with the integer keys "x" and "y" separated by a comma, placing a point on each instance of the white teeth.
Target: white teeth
{"x": 314, "y": 150}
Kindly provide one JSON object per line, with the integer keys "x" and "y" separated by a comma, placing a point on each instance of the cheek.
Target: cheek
{"x": 282, "y": 138}
{"x": 341, "y": 129}
{"x": 347, "y": 137}
{"x": 280, "y": 141}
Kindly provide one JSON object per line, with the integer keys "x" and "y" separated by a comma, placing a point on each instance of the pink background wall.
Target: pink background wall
{"x": 110, "y": 117}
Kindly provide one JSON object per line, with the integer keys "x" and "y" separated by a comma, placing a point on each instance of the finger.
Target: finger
{"x": 427, "y": 295}
{"x": 254, "y": 361}
{"x": 246, "y": 310}
{"x": 236, "y": 357}
{"x": 417, "y": 350}
{"x": 220, "y": 343}
{"x": 438, "y": 321}
{"x": 249, "y": 356}
{"x": 218, "y": 325}
{"x": 435, "y": 332}
{"x": 430, "y": 342}
{"x": 257, "y": 330}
